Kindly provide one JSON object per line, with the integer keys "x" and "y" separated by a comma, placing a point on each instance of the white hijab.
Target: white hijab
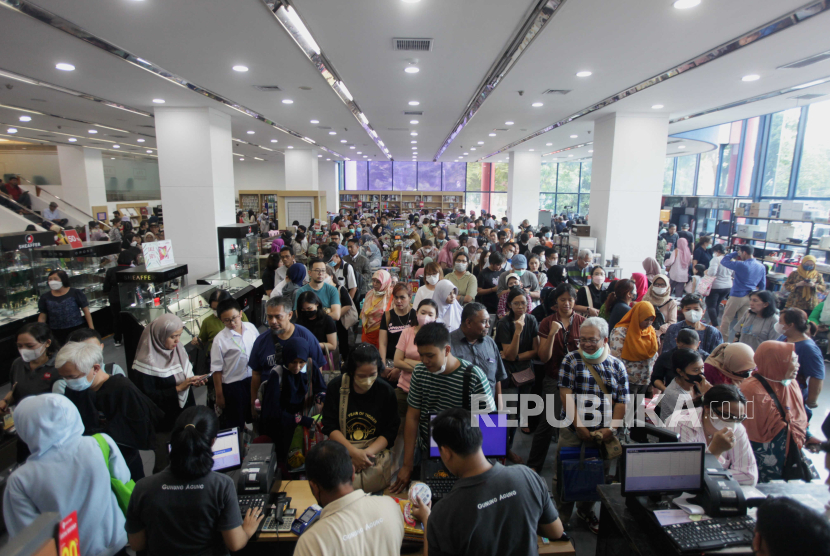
{"x": 450, "y": 315}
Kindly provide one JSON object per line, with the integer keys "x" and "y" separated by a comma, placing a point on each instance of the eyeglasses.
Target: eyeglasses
{"x": 319, "y": 270}
{"x": 590, "y": 341}
{"x": 731, "y": 418}
{"x": 519, "y": 304}
{"x": 232, "y": 319}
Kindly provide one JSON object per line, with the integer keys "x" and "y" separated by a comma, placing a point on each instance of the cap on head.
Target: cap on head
{"x": 519, "y": 262}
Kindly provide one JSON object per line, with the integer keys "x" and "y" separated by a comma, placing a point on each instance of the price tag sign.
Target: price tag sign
{"x": 73, "y": 238}
{"x": 68, "y": 543}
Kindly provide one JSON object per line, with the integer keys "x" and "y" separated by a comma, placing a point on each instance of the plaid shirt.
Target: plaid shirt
{"x": 576, "y": 376}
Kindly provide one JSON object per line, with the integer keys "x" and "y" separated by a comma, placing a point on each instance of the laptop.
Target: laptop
{"x": 494, "y": 432}
{"x": 226, "y": 453}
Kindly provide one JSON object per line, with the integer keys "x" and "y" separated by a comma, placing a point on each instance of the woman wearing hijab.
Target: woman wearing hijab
{"x": 803, "y": 285}
{"x": 771, "y": 434}
{"x": 372, "y": 252}
{"x": 445, "y": 255}
{"x": 678, "y": 266}
{"x": 634, "y": 341}
{"x": 285, "y": 398}
{"x": 163, "y": 372}
{"x": 377, "y": 301}
{"x": 641, "y": 284}
{"x": 294, "y": 280}
{"x": 449, "y": 311}
{"x": 729, "y": 364}
{"x": 652, "y": 268}
{"x": 658, "y": 294}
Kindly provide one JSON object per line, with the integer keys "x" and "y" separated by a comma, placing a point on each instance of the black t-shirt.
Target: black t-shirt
{"x": 664, "y": 370}
{"x": 495, "y": 513}
{"x": 268, "y": 279}
{"x": 63, "y": 311}
{"x": 184, "y": 518}
{"x": 28, "y": 382}
{"x": 368, "y": 416}
{"x": 505, "y": 329}
{"x": 320, "y": 327}
{"x": 597, "y": 296}
{"x": 489, "y": 279}
{"x": 394, "y": 327}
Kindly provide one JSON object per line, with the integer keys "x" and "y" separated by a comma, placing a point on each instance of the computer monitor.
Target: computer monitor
{"x": 226, "y": 453}
{"x": 654, "y": 469}
{"x": 493, "y": 431}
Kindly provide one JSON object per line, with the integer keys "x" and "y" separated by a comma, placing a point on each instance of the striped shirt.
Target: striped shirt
{"x": 578, "y": 277}
{"x": 740, "y": 460}
{"x": 434, "y": 392}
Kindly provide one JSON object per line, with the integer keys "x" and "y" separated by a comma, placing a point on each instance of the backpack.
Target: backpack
{"x": 362, "y": 285}
{"x": 123, "y": 491}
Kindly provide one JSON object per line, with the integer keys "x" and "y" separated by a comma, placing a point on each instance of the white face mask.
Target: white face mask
{"x": 660, "y": 291}
{"x": 432, "y": 279}
{"x": 53, "y": 285}
{"x": 598, "y": 280}
{"x": 778, "y": 328}
{"x": 29, "y": 355}
{"x": 693, "y": 316}
{"x": 78, "y": 384}
{"x": 460, "y": 267}
{"x": 720, "y": 424}
{"x": 133, "y": 243}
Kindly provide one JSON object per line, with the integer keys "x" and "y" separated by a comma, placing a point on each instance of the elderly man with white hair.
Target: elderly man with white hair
{"x": 109, "y": 404}
{"x": 576, "y": 380}
{"x": 579, "y": 270}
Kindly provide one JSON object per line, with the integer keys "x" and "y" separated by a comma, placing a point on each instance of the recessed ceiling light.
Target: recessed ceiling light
{"x": 328, "y": 159}
{"x": 274, "y": 141}
{"x": 413, "y": 122}
{"x": 343, "y": 141}
{"x": 465, "y": 154}
{"x": 25, "y": 118}
{"x": 241, "y": 160}
{"x": 65, "y": 67}
{"x": 481, "y": 142}
{"x": 290, "y": 147}
{"x": 657, "y": 106}
{"x": 140, "y": 140}
{"x": 413, "y": 141}
{"x": 287, "y": 101}
{"x": 250, "y": 132}
{"x": 686, "y": 4}
{"x": 682, "y": 147}
{"x": 751, "y": 77}
{"x": 332, "y": 133}
{"x": 414, "y": 103}
{"x": 365, "y": 156}
{"x": 574, "y": 136}
{"x": 72, "y": 139}
{"x": 472, "y": 148}
{"x": 531, "y": 150}
{"x": 359, "y": 152}
{"x": 508, "y": 123}
{"x": 158, "y": 101}
{"x": 112, "y": 158}
{"x": 584, "y": 73}
{"x": 241, "y": 69}
{"x": 149, "y": 151}
{"x": 591, "y": 151}
{"x": 93, "y": 131}
{"x": 548, "y": 144}
{"x": 11, "y": 130}
{"x": 319, "y": 156}
{"x": 412, "y": 69}
{"x": 116, "y": 146}
{"x": 492, "y": 135}
{"x": 352, "y": 147}
{"x": 414, "y": 148}
{"x": 537, "y": 104}
{"x": 315, "y": 121}
{"x": 570, "y": 156}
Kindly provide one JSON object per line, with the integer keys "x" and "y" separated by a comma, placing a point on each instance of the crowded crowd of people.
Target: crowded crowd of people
{"x": 374, "y": 323}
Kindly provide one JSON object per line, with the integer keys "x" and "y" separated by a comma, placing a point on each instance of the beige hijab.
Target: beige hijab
{"x": 153, "y": 359}
{"x": 728, "y": 358}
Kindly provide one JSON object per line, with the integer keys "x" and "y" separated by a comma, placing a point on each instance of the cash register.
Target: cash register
{"x": 654, "y": 473}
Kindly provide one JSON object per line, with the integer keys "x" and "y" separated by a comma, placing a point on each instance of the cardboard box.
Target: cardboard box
{"x": 773, "y": 230}
{"x": 824, "y": 243}
{"x": 763, "y": 205}
{"x": 746, "y": 230}
{"x": 581, "y": 230}
{"x": 786, "y": 232}
{"x": 792, "y": 205}
{"x": 759, "y": 235}
{"x": 759, "y": 212}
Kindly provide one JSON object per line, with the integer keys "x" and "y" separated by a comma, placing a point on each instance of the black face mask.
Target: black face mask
{"x": 308, "y": 315}
{"x": 693, "y": 378}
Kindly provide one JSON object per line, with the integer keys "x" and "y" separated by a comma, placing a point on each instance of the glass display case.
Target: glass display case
{"x": 18, "y": 274}
{"x": 239, "y": 249}
{"x": 228, "y": 280}
{"x": 146, "y": 295}
{"x": 86, "y": 267}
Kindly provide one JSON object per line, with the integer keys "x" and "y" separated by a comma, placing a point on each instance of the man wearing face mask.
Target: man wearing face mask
{"x": 579, "y": 270}
{"x": 527, "y": 279}
{"x": 693, "y": 309}
{"x": 488, "y": 280}
{"x": 717, "y": 424}
{"x": 108, "y": 404}
{"x": 688, "y": 384}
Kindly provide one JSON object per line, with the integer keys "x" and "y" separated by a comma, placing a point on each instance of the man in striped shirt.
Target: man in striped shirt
{"x": 579, "y": 270}
{"x": 438, "y": 383}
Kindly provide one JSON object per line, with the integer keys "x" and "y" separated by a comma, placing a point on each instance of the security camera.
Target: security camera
{"x": 521, "y": 93}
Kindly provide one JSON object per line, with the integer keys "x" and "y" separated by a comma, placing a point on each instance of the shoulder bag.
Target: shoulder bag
{"x": 611, "y": 448}
{"x": 525, "y": 377}
{"x": 349, "y": 315}
{"x": 796, "y": 466}
{"x": 371, "y": 479}
{"x": 122, "y": 491}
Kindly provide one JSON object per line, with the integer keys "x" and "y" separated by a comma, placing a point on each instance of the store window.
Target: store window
{"x": 753, "y": 129}
{"x": 429, "y": 176}
{"x": 780, "y": 150}
{"x": 684, "y": 181}
{"x": 585, "y": 180}
{"x": 729, "y": 159}
{"x": 547, "y": 201}
{"x": 500, "y": 173}
{"x": 584, "y": 204}
{"x": 405, "y": 176}
{"x": 668, "y": 176}
{"x": 707, "y": 173}
{"x": 567, "y": 203}
{"x": 814, "y": 173}
{"x": 380, "y": 176}
{"x": 361, "y": 176}
{"x": 547, "y": 181}
{"x": 568, "y": 180}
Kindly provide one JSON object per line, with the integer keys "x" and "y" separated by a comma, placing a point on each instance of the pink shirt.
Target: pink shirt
{"x": 406, "y": 343}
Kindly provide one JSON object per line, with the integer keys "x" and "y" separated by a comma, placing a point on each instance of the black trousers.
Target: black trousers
{"x": 237, "y": 396}
{"x": 115, "y": 309}
{"x": 713, "y": 305}
{"x": 61, "y": 334}
{"x": 133, "y": 459}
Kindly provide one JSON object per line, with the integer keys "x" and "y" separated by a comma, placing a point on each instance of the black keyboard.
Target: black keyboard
{"x": 440, "y": 487}
{"x": 711, "y": 534}
{"x": 247, "y": 501}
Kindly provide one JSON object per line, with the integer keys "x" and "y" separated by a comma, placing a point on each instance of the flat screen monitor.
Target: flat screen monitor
{"x": 493, "y": 431}
{"x": 226, "y": 454}
{"x": 653, "y": 469}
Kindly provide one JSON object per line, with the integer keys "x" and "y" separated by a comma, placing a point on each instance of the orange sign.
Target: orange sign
{"x": 68, "y": 543}
{"x": 73, "y": 238}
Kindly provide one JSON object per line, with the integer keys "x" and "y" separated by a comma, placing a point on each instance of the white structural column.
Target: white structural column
{"x": 196, "y": 176}
{"x": 328, "y": 183}
{"x": 82, "y": 177}
{"x": 301, "y": 169}
{"x": 627, "y": 185}
{"x": 523, "y": 175}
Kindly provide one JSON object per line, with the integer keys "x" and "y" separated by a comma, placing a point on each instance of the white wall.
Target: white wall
{"x": 30, "y": 164}
{"x": 259, "y": 175}
{"x": 328, "y": 182}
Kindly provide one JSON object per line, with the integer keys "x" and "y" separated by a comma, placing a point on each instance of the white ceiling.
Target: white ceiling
{"x": 622, "y": 43}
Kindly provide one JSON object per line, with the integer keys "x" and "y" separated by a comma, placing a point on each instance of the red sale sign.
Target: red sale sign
{"x": 73, "y": 238}
{"x": 68, "y": 543}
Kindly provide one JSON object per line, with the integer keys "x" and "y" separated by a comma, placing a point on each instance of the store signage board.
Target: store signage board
{"x": 158, "y": 254}
{"x": 74, "y": 239}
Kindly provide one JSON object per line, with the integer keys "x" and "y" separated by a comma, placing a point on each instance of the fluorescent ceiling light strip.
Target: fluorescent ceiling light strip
{"x": 85, "y": 122}
{"x": 53, "y": 20}
{"x": 569, "y": 148}
{"x": 786, "y": 21}
{"x": 78, "y": 135}
{"x": 539, "y": 16}
{"x": 254, "y": 145}
{"x": 290, "y": 20}
{"x": 749, "y": 100}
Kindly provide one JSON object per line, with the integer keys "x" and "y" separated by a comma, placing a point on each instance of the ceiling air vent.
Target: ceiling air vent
{"x": 323, "y": 127}
{"x": 413, "y": 45}
{"x": 414, "y": 113}
{"x": 557, "y": 92}
{"x": 42, "y": 135}
{"x": 267, "y": 88}
{"x": 675, "y": 141}
{"x": 809, "y": 96}
{"x": 147, "y": 126}
{"x": 397, "y": 128}
{"x": 500, "y": 129}
{"x": 118, "y": 136}
{"x": 808, "y": 61}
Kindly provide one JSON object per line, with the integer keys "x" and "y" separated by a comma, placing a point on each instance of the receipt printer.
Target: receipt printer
{"x": 721, "y": 495}
{"x": 259, "y": 470}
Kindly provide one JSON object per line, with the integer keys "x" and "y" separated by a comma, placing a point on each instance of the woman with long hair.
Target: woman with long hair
{"x": 188, "y": 508}
{"x": 758, "y": 324}
{"x": 312, "y": 315}
{"x": 395, "y": 320}
{"x": 619, "y": 302}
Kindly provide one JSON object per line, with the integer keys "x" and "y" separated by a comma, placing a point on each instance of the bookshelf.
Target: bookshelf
{"x": 403, "y": 202}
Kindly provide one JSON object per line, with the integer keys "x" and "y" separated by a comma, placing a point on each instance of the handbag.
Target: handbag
{"x": 377, "y": 477}
{"x": 350, "y": 316}
{"x": 796, "y": 466}
{"x": 704, "y": 287}
{"x": 122, "y": 491}
{"x": 581, "y": 470}
{"x": 521, "y": 378}
{"x": 611, "y": 448}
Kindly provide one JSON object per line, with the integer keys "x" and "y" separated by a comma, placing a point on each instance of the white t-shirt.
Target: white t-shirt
{"x": 422, "y": 293}
{"x": 349, "y": 281}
